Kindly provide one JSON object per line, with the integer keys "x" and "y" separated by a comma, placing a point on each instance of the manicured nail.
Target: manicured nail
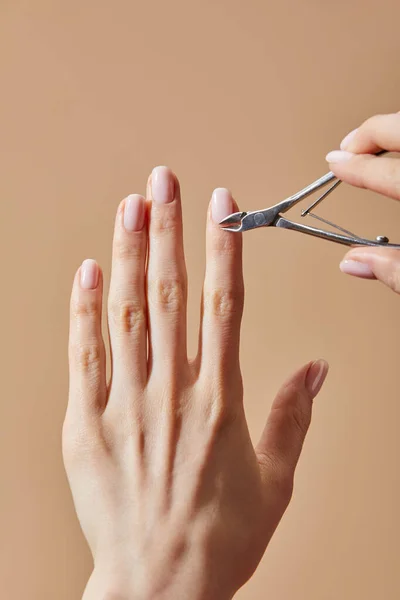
{"x": 346, "y": 140}
{"x": 134, "y": 213}
{"x": 356, "y": 268}
{"x": 162, "y": 185}
{"x": 89, "y": 274}
{"x": 338, "y": 156}
{"x": 316, "y": 376}
{"x": 221, "y": 204}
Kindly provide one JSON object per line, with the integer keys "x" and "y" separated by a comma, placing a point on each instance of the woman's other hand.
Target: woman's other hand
{"x": 356, "y": 164}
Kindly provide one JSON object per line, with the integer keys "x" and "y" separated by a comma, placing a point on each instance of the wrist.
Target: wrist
{"x": 102, "y": 586}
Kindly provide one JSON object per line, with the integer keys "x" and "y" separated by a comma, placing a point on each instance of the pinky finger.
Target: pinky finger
{"x": 87, "y": 363}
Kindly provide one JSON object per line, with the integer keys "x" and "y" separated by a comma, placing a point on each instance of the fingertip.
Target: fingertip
{"x": 356, "y": 268}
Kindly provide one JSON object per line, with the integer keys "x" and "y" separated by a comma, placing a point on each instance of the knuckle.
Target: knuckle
{"x": 280, "y": 474}
{"x": 168, "y": 294}
{"x": 224, "y": 303}
{"x": 87, "y": 308}
{"x": 86, "y": 357}
{"x": 220, "y": 416}
{"x": 127, "y": 250}
{"x": 300, "y": 419}
{"x": 220, "y": 412}
{"x": 127, "y": 315}
{"x": 165, "y": 220}
{"x": 268, "y": 463}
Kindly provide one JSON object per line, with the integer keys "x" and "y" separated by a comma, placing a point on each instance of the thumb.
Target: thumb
{"x": 374, "y": 263}
{"x": 280, "y": 446}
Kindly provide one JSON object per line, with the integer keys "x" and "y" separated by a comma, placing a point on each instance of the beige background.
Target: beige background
{"x": 248, "y": 95}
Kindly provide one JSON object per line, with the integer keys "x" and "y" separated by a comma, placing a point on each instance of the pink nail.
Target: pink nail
{"x": 134, "y": 213}
{"x": 316, "y": 376}
{"x": 356, "y": 268}
{"x": 162, "y": 185}
{"x": 346, "y": 140}
{"x": 221, "y": 204}
{"x": 89, "y": 274}
{"x": 338, "y": 156}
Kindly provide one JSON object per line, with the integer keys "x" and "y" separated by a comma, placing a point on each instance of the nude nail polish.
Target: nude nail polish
{"x": 316, "y": 376}
{"x": 89, "y": 274}
{"x": 221, "y": 204}
{"x": 357, "y": 269}
{"x": 162, "y": 185}
{"x": 134, "y": 213}
{"x": 338, "y": 156}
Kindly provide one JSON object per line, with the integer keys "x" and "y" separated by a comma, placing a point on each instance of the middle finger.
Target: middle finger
{"x": 166, "y": 275}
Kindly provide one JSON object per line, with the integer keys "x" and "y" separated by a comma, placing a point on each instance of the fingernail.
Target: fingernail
{"x": 339, "y": 156}
{"x": 89, "y": 274}
{"x": 134, "y": 213}
{"x": 162, "y": 185}
{"x": 346, "y": 140}
{"x": 316, "y": 376}
{"x": 356, "y": 268}
{"x": 221, "y": 204}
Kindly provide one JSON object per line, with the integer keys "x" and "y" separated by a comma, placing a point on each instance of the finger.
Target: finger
{"x": 381, "y": 132}
{"x": 374, "y": 263}
{"x": 223, "y": 292}
{"x": 87, "y": 362}
{"x": 374, "y": 173}
{"x": 282, "y": 440}
{"x": 166, "y": 274}
{"x": 126, "y": 301}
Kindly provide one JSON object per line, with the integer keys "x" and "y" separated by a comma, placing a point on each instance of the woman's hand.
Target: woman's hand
{"x": 356, "y": 165}
{"x": 173, "y": 500}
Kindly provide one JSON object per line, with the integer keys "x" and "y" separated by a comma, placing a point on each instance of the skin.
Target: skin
{"x": 356, "y": 165}
{"x": 172, "y": 497}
